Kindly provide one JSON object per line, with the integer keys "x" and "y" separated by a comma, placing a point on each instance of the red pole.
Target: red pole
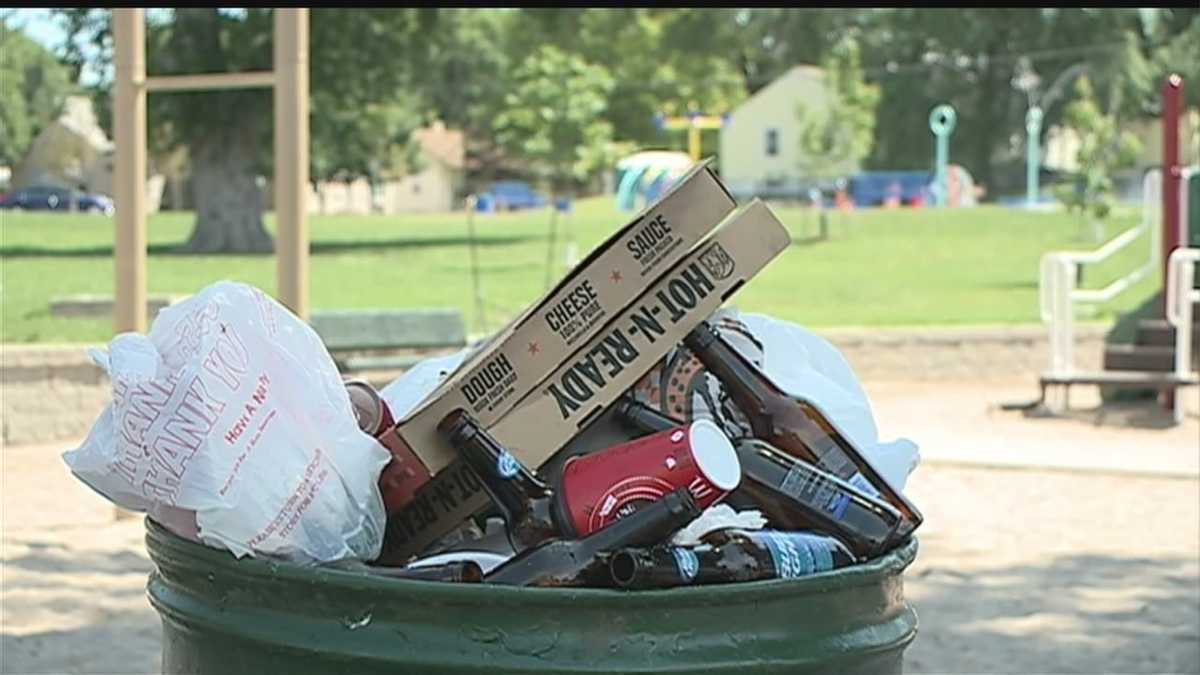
{"x": 1172, "y": 93}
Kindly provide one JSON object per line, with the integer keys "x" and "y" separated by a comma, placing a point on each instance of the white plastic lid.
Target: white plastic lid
{"x": 715, "y": 456}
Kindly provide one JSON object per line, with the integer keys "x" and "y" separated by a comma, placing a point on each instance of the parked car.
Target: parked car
{"x": 509, "y": 195}
{"x": 872, "y": 188}
{"x": 50, "y": 198}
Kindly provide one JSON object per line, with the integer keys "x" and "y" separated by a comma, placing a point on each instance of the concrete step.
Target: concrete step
{"x": 1132, "y": 379}
{"x": 1158, "y": 332}
{"x": 1151, "y": 358}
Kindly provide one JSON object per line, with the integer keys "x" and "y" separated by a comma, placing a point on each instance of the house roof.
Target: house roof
{"x": 802, "y": 70}
{"x": 79, "y": 118}
{"x": 444, "y": 145}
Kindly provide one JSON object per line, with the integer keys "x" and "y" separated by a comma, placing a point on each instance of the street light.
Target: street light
{"x": 1027, "y": 80}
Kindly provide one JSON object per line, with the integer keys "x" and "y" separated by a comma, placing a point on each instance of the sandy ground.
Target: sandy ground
{"x": 1051, "y": 545}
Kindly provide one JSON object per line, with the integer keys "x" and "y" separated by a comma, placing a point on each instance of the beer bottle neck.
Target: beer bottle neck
{"x": 509, "y": 482}
{"x": 744, "y": 383}
{"x": 658, "y": 567}
{"x": 649, "y": 524}
{"x": 567, "y": 562}
{"x": 643, "y": 418}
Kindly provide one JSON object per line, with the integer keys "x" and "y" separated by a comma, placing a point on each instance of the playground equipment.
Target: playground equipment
{"x": 1182, "y": 296}
{"x": 1165, "y": 201}
{"x": 941, "y": 123}
{"x": 648, "y": 174}
{"x": 694, "y": 123}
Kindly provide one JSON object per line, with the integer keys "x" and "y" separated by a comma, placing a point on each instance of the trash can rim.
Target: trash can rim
{"x": 165, "y": 547}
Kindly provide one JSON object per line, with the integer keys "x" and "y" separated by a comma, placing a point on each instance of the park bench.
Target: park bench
{"x": 354, "y": 337}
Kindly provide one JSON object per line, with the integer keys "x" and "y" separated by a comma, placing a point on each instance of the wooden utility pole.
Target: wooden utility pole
{"x": 129, "y": 179}
{"x": 291, "y": 158}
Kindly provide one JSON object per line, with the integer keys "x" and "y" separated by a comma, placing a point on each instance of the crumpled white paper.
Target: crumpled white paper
{"x": 718, "y": 517}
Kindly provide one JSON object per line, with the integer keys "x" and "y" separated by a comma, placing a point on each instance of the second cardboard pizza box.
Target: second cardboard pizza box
{"x": 624, "y": 351}
{"x": 511, "y": 365}
{"x": 597, "y": 373}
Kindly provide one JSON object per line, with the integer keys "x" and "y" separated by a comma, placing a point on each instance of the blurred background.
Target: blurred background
{"x": 414, "y": 110}
{"x": 460, "y": 161}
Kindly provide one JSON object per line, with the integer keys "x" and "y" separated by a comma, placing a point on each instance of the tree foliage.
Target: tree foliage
{"x": 1103, "y": 148}
{"x": 554, "y": 117}
{"x": 838, "y": 135}
{"x": 33, "y": 86}
{"x": 378, "y": 74}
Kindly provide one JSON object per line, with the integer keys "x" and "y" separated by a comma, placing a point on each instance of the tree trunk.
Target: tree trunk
{"x": 228, "y": 200}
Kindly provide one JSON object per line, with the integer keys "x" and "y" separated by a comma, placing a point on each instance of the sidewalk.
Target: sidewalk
{"x": 963, "y": 425}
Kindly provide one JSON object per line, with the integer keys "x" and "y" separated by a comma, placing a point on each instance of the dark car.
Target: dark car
{"x": 49, "y": 198}
{"x": 509, "y": 195}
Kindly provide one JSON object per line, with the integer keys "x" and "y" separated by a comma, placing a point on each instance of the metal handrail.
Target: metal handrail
{"x": 1181, "y": 270}
{"x": 1057, "y": 295}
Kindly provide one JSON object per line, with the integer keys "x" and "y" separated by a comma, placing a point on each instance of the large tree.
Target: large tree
{"x": 361, "y": 102}
{"x": 33, "y": 85}
{"x": 555, "y": 117}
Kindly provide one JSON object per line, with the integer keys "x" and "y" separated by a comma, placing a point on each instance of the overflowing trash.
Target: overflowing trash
{"x": 624, "y": 432}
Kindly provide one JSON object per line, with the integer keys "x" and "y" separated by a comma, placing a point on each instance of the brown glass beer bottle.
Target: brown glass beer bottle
{"x": 729, "y": 556}
{"x": 793, "y": 425}
{"x": 794, "y": 494}
{"x": 584, "y": 562}
{"x": 525, "y": 502}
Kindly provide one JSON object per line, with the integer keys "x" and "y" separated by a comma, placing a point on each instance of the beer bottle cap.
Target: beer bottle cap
{"x": 715, "y": 456}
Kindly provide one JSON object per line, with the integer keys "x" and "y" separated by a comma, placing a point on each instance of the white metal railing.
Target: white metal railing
{"x": 1181, "y": 296}
{"x": 1057, "y": 295}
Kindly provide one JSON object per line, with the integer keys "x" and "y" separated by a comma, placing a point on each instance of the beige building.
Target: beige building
{"x": 74, "y": 152}
{"x": 1061, "y": 144}
{"x": 760, "y": 142}
{"x": 434, "y": 188}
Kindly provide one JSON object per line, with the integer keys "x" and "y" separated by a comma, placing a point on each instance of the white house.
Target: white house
{"x": 760, "y": 141}
{"x": 434, "y": 188}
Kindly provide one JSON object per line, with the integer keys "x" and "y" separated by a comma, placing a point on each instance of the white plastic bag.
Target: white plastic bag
{"x": 232, "y": 409}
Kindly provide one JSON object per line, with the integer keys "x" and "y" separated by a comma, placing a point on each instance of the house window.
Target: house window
{"x": 416, "y": 188}
{"x": 772, "y": 142}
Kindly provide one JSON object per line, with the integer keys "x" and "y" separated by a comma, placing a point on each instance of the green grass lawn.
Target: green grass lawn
{"x": 879, "y": 267}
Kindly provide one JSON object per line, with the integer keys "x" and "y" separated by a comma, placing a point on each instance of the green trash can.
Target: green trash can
{"x": 226, "y": 616}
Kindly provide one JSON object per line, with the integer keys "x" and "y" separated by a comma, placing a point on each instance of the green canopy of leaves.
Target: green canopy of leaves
{"x": 33, "y": 86}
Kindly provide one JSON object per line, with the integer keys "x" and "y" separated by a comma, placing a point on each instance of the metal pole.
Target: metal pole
{"x": 291, "y": 158}
{"x": 480, "y": 318}
{"x": 1172, "y": 93}
{"x": 941, "y": 123}
{"x": 129, "y": 172}
{"x": 1033, "y": 128}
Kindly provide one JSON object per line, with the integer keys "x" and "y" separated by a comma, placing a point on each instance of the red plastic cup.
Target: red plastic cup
{"x": 599, "y": 488}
